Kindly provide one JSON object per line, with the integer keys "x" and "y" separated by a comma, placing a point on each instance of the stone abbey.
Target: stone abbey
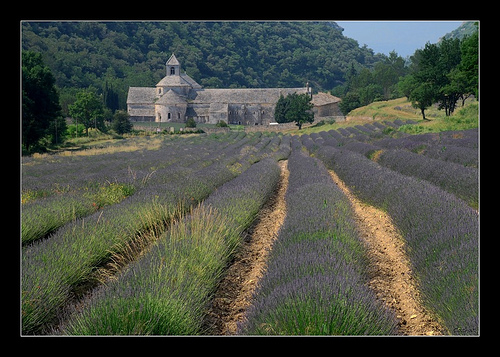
{"x": 178, "y": 97}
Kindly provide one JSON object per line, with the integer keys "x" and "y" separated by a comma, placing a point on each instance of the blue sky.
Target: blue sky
{"x": 402, "y": 36}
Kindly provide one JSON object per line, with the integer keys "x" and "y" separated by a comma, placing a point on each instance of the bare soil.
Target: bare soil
{"x": 235, "y": 291}
{"x": 390, "y": 273}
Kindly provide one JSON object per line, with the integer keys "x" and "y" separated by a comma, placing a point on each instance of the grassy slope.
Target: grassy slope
{"x": 400, "y": 108}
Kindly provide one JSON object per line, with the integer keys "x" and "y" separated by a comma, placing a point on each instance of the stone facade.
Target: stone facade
{"x": 178, "y": 97}
{"x": 326, "y": 105}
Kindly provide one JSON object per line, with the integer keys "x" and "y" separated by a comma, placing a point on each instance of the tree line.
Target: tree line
{"x": 444, "y": 73}
{"x": 42, "y": 121}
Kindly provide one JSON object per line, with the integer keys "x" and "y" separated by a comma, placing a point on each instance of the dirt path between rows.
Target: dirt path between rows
{"x": 234, "y": 293}
{"x": 390, "y": 274}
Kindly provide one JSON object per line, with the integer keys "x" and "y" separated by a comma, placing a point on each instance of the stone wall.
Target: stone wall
{"x": 327, "y": 110}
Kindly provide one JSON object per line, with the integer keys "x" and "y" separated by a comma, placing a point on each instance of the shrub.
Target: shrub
{"x": 190, "y": 123}
{"x": 221, "y": 124}
{"x": 121, "y": 122}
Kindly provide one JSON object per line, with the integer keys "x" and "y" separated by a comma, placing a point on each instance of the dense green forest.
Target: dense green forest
{"x": 111, "y": 56}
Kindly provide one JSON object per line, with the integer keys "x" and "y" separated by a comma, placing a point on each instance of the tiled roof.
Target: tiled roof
{"x": 324, "y": 98}
{"x": 141, "y": 95}
{"x": 178, "y": 81}
{"x": 171, "y": 98}
{"x": 242, "y": 95}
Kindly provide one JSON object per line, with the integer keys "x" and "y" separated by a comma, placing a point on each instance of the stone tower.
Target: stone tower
{"x": 173, "y": 66}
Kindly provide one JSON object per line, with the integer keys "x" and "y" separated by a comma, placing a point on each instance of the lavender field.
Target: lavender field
{"x": 135, "y": 242}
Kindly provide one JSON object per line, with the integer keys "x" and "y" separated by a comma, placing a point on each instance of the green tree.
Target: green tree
{"x": 294, "y": 108}
{"x": 88, "y": 110}
{"x": 426, "y": 75}
{"x": 406, "y": 85}
{"x": 422, "y": 97}
{"x": 110, "y": 97}
{"x": 280, "y": 109}
{"x": 121, "y": 122}
{"x": 349, "y": 102}
{"x": 442, "y": 73}
{"x": 469, "y": 65}
{"x": 40, "y": 100}
{"x": 300, "y": 110}
{"x": 387, "y": 72}
{"x": 449, "y": 58}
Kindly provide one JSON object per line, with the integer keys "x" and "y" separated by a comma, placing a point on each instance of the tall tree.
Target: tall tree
{"x": 469, "y": 63}
{"x": 88, "y": 110}
{"x": 294, "y": 108}
{"x": 449, "y": 58}
{"x": 422, "y": 97}
{"x": 300, "y": 109}
{"x": 40, "y": 100}
{"x": 121, "y": 122}
{"x": 426, "y": 74}
{"x": 280, "y": 109}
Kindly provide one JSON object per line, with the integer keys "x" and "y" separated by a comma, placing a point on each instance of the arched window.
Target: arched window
{"x": 172, "y": 70}
{"x": 168, "y": 116}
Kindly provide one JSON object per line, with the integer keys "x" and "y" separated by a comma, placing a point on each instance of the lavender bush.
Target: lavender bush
{"x": 454, "y": 178}
{"x": 461, "y": 150}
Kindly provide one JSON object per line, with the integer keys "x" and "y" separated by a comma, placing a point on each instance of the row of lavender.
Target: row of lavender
{"x": 315, "y": 281}
{"x": 456, "y": 178}
{"x": 460, "y": 147}
{"x": 57, "y": 190}
{"x": 53, "y": 268}
{"x": 167, "y": 292}
{"x": 61, "y": 189}
{"x": 440, "y": 230}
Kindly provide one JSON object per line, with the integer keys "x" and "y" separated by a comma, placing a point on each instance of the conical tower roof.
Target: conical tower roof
{"x": 172, "y": 61}
{"x": 171, "y": 98}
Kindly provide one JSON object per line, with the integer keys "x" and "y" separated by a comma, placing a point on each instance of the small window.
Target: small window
{"x": 168, "y": 116}
{"x": 172, "y": 70}
{"x": 178, "y": 115}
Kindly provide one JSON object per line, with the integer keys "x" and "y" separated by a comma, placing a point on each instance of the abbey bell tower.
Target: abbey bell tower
{"x": 173, "y": 66}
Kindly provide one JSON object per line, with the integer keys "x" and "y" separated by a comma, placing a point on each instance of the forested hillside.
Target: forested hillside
{"x": 111, "y": 56}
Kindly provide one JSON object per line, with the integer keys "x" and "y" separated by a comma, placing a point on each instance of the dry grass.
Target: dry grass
{"x": 109, "y": 147}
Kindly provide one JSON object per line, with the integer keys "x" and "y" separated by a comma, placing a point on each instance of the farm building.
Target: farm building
{"x": 326, "y": 105}
{"x": 178, "y": 97}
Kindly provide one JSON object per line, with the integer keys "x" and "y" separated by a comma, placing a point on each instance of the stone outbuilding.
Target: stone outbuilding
{"x": 326, "y": 105}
